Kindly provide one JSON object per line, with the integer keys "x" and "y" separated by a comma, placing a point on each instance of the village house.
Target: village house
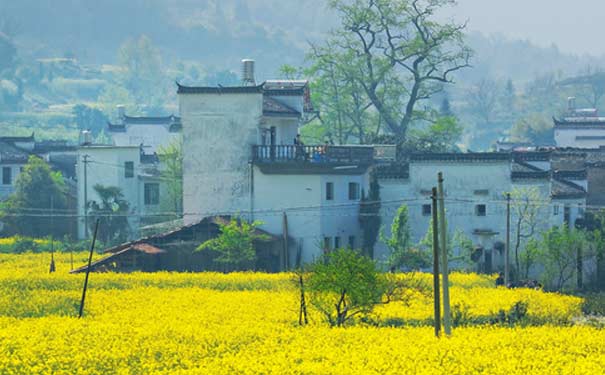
{"x": 152, "y": 133}
{"x": 579, "y": 128}
{"x": 130, "y": 162}
{"x": 15, "y": 152}
{"x": 475, "y": 186}
{"x": 241, "y": 155}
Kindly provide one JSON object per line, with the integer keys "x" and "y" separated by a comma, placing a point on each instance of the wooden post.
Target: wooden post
{"x": 286, "y": 261}
{"x": 52, "y": 240}
{"x": 436, "y": 263}
{"x": 447, "y": 325}
{"x": 92, "y": 247}
{"x": 507, "y": 248}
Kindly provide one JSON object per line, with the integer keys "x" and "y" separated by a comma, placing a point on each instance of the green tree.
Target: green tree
{"x": 400, "y": 53}
{"x": 535, "y": 128}
{"x": 235, "y": 244}
{"x": 369, "y": 216}
{"x": 112, "y": 212}
{"x": 403, "y": 254}
{"x": 561, "y": 255}
{"x": 344, "y": 284}
{"x": 171, "y": 158}
{"x": 143, "y": 74}
{"x": 527, "y": 214}
{"x": 441, "y": 136}
{"x": 89, "y": 118}
{"x": 27, "y": 211}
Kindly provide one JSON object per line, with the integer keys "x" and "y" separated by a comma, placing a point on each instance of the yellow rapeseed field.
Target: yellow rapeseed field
{"x": 246, "y": 323}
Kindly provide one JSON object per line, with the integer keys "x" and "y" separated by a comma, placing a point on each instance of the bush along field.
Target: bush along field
{"x": 180, "y": 323}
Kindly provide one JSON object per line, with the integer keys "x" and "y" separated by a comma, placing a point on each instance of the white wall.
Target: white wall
{"x": 567, "y": 137}
{"x": 218, "y": 132}
{"x": 6, "y": 190}
{"x": 151, "y": 136}
{"x": 310, "y": 216}
{"x": 106, "y": 167}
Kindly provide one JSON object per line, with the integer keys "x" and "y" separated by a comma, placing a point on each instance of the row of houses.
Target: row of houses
{"x": 241, "y": 156}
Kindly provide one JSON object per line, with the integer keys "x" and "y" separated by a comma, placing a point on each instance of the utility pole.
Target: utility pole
{"x": 436, "y": 263}
{"x": 507, "y": 247}
{"x": 85, "y": 161}
{"x": 447, "y": 325}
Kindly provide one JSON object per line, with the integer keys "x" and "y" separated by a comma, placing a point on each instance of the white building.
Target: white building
{"x": 150, "y": 132}
{"x": 239, "y": 156}
{"x": 475, "y": 196}
{"x": 580, "y": 128}
{"x": 127, "y": 167}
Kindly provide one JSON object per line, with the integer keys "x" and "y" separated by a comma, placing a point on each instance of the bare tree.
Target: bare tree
{"x": 483, "y": 99}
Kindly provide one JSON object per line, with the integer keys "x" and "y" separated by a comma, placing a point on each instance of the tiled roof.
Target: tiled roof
{"x": 272, "y": 107}
{"x": 219, "y": 89}
{"x": 12, "y": 154}
{"x": 12, "y": 139}
{"x": 562, "y": 189}
{"x": 173, "y": 121}
{"x": 462, "y": 157}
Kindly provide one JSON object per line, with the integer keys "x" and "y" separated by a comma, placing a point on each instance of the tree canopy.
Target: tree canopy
{"x": 393, "y": 55}
{"x": 28, "y": 210}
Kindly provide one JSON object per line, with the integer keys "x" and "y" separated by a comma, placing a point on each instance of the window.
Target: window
{"x": 353, "y": 191}
{"x": 352, "y": 242}
{"x": 7, "y": 178}
{"x": 337, "y": 242}
{"x": 128, "y": 169}
{"x": 329, "y": 191}
{"x": 152, "y": 194}
{"x": 555, "y": 210}
{"x": 566, "y": 215}
{"x": 327, "y": 244}
{"x": 480, "y": 210}
{"x": 426, "y": 210}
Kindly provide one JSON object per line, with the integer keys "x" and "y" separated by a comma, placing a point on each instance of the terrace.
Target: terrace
{"x": 312, "y": 159}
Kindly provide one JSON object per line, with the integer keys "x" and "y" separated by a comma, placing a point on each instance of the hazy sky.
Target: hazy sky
{"x": 576, "y": 26}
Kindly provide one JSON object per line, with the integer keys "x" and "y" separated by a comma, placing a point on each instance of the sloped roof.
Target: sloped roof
{"x": 219, "y": 89}
{"x": 140, "y": 247}
{"x": 563, "y": 189}
{"x": 11, "y": 154}
{"x": 273, "y": 107}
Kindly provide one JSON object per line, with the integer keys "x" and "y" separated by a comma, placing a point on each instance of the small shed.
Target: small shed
{"x": 174, "y": 251}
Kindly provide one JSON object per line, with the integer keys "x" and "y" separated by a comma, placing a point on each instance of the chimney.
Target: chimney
{"x": 248, "y": 73}
{"x": 571, "y": 104}
{"x": 85, "y": 138}
{"x": 121, "y": 111}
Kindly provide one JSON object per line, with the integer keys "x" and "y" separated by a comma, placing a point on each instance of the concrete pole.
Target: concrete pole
{"x": 447, "y": 325}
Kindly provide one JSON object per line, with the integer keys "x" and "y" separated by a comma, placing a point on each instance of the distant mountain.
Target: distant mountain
{"x": 221, "y": 32}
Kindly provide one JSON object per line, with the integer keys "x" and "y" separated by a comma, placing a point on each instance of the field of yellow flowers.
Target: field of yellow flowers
{"x": 247, "y": 323}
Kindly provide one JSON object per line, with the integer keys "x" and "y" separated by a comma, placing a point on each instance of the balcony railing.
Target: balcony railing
{"x": 313, "y": 154}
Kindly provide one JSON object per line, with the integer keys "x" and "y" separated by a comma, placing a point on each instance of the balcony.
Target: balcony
{"x": 312, "y": 159}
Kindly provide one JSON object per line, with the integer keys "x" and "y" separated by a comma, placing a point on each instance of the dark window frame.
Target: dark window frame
{"x": 481, "y": 210}
{"x": 427, "y": 210}
{"x": 129, "y": 169}
{"x": 354, "y": 191}
{"x": 329, "y": 191}
{"x": 7, "y": 176}
{"x": 151, "y": 197}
